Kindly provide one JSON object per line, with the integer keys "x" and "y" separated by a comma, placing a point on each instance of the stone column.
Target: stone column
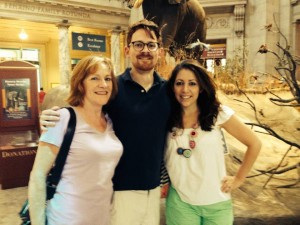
{"x": 239, "y": 28}
{"x": 239, "y": 12}
{"x": 64, "y": 53}
{"x": 115, "y": 49}
{"x": 126, "y": 58}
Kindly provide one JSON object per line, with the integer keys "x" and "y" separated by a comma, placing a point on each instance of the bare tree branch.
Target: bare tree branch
{"x": 274, "y": 134}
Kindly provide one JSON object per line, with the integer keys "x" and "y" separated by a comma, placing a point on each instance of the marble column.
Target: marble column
{"x": 239, "y": 28}
{"x": 64, "y": 54}
{"x": 115, "y": 50}
{"x": 239, "y": 12}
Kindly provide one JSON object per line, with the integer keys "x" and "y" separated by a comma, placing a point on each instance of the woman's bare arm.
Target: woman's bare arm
{"x": 247, "y": 137}
{"x": 45, "y": 157}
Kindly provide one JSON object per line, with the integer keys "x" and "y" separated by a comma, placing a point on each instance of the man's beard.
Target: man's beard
{"x": 144, "y": 61}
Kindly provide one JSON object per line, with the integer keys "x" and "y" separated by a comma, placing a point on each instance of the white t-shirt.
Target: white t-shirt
{"x": 198, "y": 179}
{"x": 84, "y": 192}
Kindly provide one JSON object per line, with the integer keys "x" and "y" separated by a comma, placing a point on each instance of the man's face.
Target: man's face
{"x": 143, "y": 60}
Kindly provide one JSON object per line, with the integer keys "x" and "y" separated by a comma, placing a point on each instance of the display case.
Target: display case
{"x": 19, "y": 127}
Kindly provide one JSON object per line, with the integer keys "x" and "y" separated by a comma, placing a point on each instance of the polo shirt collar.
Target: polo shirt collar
{"x": 157, "y": 78}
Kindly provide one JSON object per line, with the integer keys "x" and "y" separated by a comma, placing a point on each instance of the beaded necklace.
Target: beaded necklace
{"x": 186, "y": 152}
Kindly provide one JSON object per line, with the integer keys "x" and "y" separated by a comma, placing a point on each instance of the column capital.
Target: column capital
{"x": 64, "y": 23}
{"x": 116, "y": 30}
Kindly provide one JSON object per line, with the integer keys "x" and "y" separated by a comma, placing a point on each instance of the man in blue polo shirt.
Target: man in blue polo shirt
{"x": 139, "y": 113}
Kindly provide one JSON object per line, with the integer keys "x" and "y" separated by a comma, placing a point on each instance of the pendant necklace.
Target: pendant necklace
{"x": 186, "y": 152}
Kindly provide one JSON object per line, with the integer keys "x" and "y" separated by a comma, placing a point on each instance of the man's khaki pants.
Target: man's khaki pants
{"x": 136, "y": 207}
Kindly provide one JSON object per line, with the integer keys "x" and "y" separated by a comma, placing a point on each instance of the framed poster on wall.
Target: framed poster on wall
{"x": 16, "y": 99}
{"x": 18, "y": 82}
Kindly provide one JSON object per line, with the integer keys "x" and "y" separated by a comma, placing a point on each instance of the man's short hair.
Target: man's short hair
{"x": 147, "y": 25}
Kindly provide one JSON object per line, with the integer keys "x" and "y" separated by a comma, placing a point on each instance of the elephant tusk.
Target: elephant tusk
{"x": 138, "y": 3}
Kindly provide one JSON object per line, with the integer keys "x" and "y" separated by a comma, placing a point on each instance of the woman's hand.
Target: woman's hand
{"x": 230, "y": 183}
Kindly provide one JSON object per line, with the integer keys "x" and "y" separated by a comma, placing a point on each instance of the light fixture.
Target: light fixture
{"x": 23, "y": 35}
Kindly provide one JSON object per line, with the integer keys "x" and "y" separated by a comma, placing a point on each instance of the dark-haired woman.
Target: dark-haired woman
{"x": 200, "y": 189}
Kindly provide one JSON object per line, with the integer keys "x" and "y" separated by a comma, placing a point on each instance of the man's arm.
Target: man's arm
{"x": 49, "y": 117}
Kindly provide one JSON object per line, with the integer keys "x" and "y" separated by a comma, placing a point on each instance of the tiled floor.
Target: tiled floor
{"x": 11, "y": 201}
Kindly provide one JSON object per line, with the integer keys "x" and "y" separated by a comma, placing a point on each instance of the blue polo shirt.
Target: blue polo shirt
{"x": 140, "y": 122}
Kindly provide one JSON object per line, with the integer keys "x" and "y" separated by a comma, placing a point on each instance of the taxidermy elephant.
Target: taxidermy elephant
{"x": 182, "y": 23}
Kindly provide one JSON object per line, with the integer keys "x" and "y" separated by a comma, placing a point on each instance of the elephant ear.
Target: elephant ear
{"x": 174, "y": 2}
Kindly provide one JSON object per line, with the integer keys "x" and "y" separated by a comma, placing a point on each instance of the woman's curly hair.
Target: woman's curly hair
{"x": 207, "y": 101}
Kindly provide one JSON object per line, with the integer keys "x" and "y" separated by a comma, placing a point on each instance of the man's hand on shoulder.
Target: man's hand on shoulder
{"x": 49, "y": 117}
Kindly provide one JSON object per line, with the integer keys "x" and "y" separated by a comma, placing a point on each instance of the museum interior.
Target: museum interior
{"x": 42, "y": 40}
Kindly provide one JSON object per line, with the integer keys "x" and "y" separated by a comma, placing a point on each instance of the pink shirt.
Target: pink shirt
{"x": 84, "y": 193}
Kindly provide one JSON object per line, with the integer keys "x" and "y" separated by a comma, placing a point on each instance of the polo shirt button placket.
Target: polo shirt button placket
{"x": 142, "y": 90}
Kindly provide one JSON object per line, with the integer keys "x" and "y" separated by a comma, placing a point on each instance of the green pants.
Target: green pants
{"x": 181, "y": 213}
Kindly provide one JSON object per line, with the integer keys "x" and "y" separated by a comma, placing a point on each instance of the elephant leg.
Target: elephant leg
{"x": 197, "y": 11}
{"x": 153, "y": 10}
{"x": 149, "y": 13}
{"x": 170, "y": 23}
{"x": 193, "y": 28}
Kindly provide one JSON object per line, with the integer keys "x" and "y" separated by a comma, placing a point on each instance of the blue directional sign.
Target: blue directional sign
{"x": 88, "y": 42}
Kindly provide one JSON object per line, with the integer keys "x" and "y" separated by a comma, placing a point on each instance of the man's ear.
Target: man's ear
{"x": 161, "y": 53}
{"x": 126, "y": 51}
